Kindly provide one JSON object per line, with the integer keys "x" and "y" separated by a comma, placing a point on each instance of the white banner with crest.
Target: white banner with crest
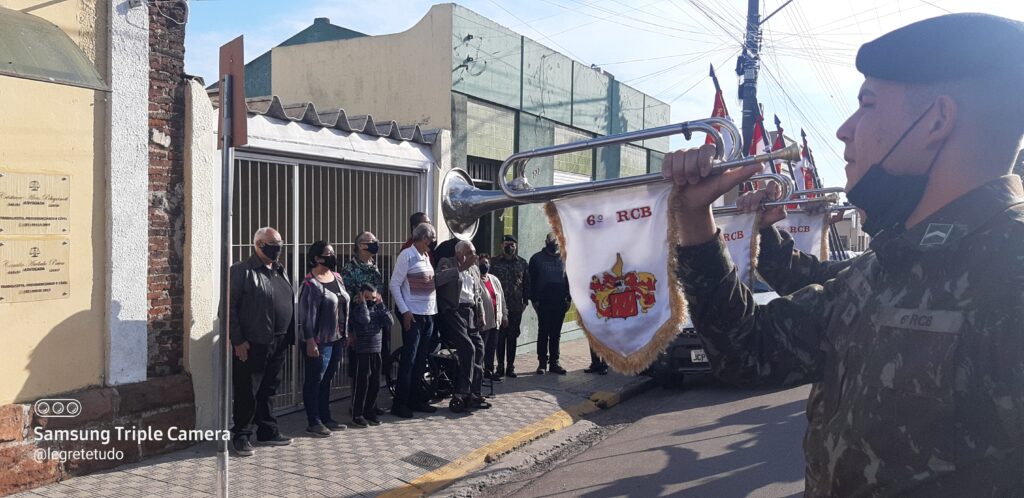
{"x": 619, "y": 252}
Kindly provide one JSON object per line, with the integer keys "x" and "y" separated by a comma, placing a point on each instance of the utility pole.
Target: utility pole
{"x": 747, "y": 66}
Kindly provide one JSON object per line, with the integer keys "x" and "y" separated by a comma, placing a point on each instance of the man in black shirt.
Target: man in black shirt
{"x": 261, "y": 329}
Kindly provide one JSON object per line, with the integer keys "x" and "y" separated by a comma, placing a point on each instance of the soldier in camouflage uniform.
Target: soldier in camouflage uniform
{"x": 915, "y": 349}
{"x": 514, "y": 274}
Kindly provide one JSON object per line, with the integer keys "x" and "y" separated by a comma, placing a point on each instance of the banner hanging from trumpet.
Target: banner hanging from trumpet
{"x": 741, "y": 238}
{"x": 807, "y": 231}
{"x": 618, "y": 248}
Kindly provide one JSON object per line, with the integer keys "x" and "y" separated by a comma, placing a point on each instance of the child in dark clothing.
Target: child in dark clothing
{"x": 369, "y": 319}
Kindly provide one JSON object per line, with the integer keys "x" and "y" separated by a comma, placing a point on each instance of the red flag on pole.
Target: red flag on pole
{"x": 780, "y": 143}
{"x": 719, "y": 110}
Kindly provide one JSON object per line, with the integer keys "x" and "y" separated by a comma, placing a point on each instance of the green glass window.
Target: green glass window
{"x": 33, "y": 48}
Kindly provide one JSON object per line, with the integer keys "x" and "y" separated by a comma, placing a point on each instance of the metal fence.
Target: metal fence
{"x": 307, "y": 202}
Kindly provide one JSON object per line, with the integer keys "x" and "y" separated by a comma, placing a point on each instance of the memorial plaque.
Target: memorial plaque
{"x": 35, "y": 203}
{"x": 34, "y": 269}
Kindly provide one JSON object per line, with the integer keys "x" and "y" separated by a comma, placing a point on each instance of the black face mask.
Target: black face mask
{"x": 888, "y": 200}
{"x": 373, "y": 247}
{"x": 510, "y": 250}
{"x": 331, "y": 261}
{"x": 271, "y": 252}
{"x": 485, "y": 268}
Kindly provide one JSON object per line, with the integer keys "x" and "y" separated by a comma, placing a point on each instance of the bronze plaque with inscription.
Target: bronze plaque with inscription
{"x": 34, "y": 269}
{"x": 35, "y": 203}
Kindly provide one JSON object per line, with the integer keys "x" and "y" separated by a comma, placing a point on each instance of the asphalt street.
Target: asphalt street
{"x": 705, "y": 440}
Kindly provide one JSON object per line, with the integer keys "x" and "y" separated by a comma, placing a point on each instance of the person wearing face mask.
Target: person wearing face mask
{"x": 549, "y": 291}
{"x": 495, "y": 314}
{"x": 324, "y": 307}
{"x": 359, "y": 270}
{"x": 415, "y": 220}
{"x": 262, "y": 327}
{"x": 370, "y": 321}
{"x": 915, "y": 348}
{"x": 514, "y": 274}
{"x": 412, "y": 289}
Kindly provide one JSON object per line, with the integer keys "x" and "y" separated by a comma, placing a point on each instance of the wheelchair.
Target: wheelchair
{"x": 438, "y": 381}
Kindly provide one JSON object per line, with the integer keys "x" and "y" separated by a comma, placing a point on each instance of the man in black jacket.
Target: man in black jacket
{"x": 549, "y": 292}
{"x": 262, "y": 326}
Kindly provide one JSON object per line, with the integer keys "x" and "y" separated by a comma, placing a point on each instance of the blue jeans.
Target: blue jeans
{"x": 316, "y": 388}
{"x": 415, "y": 348}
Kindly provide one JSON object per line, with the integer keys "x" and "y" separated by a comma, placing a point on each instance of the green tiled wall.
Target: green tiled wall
{"x": 490, "y": 130}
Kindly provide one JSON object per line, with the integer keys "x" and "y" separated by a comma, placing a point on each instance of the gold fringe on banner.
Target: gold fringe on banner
{"x": 824, "y": 237}
{"x": 639, "y": 360}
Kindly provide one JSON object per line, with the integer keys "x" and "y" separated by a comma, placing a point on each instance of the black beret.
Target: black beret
{"x": 946, "y": 48}
{"x": 510, "y": 238}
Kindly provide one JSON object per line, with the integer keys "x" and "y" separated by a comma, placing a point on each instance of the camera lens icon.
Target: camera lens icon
{"x": 66, "y": 408}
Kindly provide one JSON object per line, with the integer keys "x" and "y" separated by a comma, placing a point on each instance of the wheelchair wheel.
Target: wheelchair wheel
{"x": 427, "y": 383}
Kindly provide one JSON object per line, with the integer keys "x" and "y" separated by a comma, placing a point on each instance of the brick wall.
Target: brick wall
{"x": 166, "y": 189}
{"x": 162, "y": 405}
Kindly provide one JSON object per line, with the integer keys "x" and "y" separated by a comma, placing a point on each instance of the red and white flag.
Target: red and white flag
{"x": 719, "y": 111}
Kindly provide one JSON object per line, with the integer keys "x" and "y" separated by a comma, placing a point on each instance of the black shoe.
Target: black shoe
{"x": 277, "y": 440}
{"x": 495, "y": 377}
{"x": 401, "y": 412}
{"x": 477, "y": 402}
{"x": 459, "y": 404}
{"x": 380, "y": 411}
{"x": 334, "y": 425}
{"x": 425, "y": 408}
{"x": 592, "y": 369}
{"x": 243, "y": 447}
{"x": 555, "y": 368}
{"x": 500, "y": 372}
{"x": 374, "y": 421}
{"x": 318, "y": 430}
{"x": 540, "y": 371}
{"x": 603, "y": 370}
{"x": 510, "y": 373}
{"x": 359, "y": 423}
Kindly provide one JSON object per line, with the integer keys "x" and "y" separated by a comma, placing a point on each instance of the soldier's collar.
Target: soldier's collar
{"x": 954, "y": 221}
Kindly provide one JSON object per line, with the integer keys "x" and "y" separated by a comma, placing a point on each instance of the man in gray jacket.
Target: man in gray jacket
{"x": 459, "y": 305}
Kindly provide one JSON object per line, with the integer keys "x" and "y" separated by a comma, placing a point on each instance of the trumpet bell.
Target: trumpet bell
{"x": 463, "y": 204}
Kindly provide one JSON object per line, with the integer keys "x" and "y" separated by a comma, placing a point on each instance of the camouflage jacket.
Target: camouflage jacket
{"x": 915, "y": 351}
{"x": 514, "y": 276}
{"x": 786, "y": 269}
{"x": 356, "y": 273}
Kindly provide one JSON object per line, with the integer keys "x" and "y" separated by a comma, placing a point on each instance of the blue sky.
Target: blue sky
{"x": 662, "y": 47}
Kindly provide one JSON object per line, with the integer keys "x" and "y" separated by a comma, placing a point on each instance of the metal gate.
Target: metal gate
{"x": 308, "y": 201}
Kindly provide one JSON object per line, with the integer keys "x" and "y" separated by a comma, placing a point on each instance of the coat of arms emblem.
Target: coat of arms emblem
{"x": 622, "y": 295}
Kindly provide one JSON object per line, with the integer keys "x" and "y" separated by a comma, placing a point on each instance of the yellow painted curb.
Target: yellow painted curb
{"x": 478, "y": 458}
{"x": 605, "y": 399}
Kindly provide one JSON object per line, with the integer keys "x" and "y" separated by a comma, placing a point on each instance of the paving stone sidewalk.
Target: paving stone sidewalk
{"x": 359, "y": 462}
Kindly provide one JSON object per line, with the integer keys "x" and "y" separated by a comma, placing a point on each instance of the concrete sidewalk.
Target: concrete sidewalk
{"x": 398, "y": 458}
